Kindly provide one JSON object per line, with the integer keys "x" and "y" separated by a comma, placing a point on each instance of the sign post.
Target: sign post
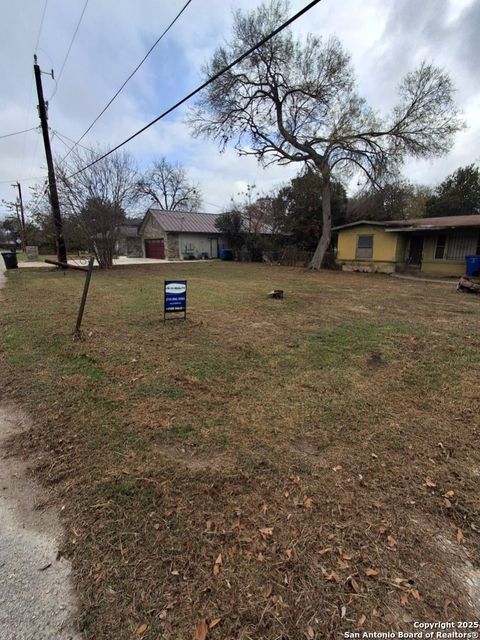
{"x": 175, "y": 298}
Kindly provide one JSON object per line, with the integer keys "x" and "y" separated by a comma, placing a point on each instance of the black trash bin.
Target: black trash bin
{"x": 10, "y": 259}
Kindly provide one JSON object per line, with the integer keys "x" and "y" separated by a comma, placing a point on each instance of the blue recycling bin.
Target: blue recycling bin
{"x": 473, "y": 266}
{"x": 226, "y": 254}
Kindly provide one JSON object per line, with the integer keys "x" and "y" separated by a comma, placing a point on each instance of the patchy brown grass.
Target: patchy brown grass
{"x": 295, "y": 468}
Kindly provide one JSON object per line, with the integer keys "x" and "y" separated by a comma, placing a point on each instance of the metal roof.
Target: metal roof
{"x": 192, "y": 222}
{"x": 420, "y": 224}
{"x": 185, "y": 221}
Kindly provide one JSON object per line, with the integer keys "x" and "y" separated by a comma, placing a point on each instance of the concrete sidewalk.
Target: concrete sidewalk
{"x": 37, "y": 600}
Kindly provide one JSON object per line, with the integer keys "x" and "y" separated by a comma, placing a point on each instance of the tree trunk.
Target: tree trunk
{"x": 326, "y": 237}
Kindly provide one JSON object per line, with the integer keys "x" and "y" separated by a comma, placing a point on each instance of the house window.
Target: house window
{"x": 364, "y": 247}
{"x": 440, "y": 248}
{"x": 460, "y": 246}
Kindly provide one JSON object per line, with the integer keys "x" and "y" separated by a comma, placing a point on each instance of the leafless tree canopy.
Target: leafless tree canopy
{"x": 96, "y": 199}
{"x": 297, "y": 101}
{"x": 168, "y": 187}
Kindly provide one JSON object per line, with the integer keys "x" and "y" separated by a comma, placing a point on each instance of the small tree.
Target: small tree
{"x": 231, "y": 225}
{"x": 301, "y": 201}
{"x": 167, "y": 186}
{"x": 95, "y": 199}
{"x": 296, "y": 101}
{"x": 458, "y": 194}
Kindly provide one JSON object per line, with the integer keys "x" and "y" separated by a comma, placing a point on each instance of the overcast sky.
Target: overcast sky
{"x": 386, "y": 39}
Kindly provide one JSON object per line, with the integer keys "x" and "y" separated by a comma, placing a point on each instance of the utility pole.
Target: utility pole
{"x": 21, "y": 218}
{"x": 57, "y": 218}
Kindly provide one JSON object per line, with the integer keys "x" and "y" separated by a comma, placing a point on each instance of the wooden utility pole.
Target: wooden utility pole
{"x": 21, "y": 218}
{"x": 57, "y": 218}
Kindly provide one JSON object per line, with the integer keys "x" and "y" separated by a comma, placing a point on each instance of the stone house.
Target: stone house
{"x": 129, "y": 243}
{"x": 180, "y": 235}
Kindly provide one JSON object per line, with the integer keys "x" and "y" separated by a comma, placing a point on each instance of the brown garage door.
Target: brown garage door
{"x": 155, "y": 249}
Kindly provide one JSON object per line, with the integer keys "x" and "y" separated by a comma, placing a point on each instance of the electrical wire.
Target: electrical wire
{"x": 41, "y": 25}
{"x": 161, "y": 36}
{"x": 17, "y": 133}
{"x": 69, "y": 48}
{"x": 202, "y": 86}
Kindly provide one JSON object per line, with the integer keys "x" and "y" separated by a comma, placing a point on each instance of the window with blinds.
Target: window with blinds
{"x": 364, "y": 247}
{"x": 460, "y": 246}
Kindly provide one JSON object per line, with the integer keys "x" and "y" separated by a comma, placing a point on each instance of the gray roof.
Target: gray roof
{"x": 441, "y": 222}
{"x": 185, "y": 221}
{"x": 192, "y": 222}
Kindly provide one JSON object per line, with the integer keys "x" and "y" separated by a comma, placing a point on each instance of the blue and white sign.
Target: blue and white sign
{"x": 175, "y": 296}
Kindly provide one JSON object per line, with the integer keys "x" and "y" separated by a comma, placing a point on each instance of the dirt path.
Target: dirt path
{"x": 36, "y": 596}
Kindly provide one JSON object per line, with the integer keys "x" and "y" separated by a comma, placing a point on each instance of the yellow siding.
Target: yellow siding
{"x": 440, "y": 267}
{"x": 385, "y": 248}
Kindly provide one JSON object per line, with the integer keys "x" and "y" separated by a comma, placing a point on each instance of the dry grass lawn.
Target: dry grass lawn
{"x": 269, "y": 469}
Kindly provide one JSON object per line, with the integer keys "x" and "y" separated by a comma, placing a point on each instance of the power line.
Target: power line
{"x": 17, "y": 133}
{"x": 130, "y": 76}
{"x": 41, "y": 25}
{"x": 70, "y": 48}
{"x": 202, "y": 86}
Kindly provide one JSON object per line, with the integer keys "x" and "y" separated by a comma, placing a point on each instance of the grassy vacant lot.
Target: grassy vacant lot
{"x": 281, "y": 469}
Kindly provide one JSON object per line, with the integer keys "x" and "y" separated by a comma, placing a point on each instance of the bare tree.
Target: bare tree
{"x": 95, "y": 199}
{"x": 296, "y": 101}
{"x": 168, "y": 187}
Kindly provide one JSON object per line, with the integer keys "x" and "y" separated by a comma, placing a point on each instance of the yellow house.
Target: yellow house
{"x": 436, "y": 246}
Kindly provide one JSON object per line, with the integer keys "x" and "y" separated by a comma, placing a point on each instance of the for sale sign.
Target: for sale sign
{"x": 175, "y": 297}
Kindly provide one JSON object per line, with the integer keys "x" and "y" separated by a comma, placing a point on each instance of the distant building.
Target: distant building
{"x": 129, "y": 242}
{"x": 180, "y": 235}
{"x": 430, "y": 245}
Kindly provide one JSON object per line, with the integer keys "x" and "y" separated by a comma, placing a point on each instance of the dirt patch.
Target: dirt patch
{"x": 375, "y": 360}
{"x": 193, "y": 459}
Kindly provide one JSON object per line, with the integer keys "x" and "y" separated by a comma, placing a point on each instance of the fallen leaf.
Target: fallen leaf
{"x": 333, "y": 577}
{"x": 415, "y": 594}
{"x": 429, "y": 482}
{"x": 326, "y": 550}
{"x": 308, "y": 503}
{"x": 361, "y": 620}
{"x": 449, "y": 494}
{"x": 459, "y": 536}
{"x": 141, "y": 629}
{"x": 310, "y": 633}
{"x": 214, "y": 623}
{"x": 289, "y": 553}
{"x": 392, "y": 543}
{"x": 286, "y": 493}
{"x": 338, "y": 467}
{"x": 372, "y": 572}
{"x": 404, "y": 599}
{"x": 346, "y": 557}
{"x": 209, "y": 525}
{"x": 447, "y": 503}
{"x": 354, "y": 585}
{"x": 201, "y": 631}
{"x": 266, "y": 531}
{"x": 175, "y": 573}
{"x": 382, "y": 528}
{"x": 217, "y": 565}
{"x": 343, "y": 611}
{"x": 268, "y": 591}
